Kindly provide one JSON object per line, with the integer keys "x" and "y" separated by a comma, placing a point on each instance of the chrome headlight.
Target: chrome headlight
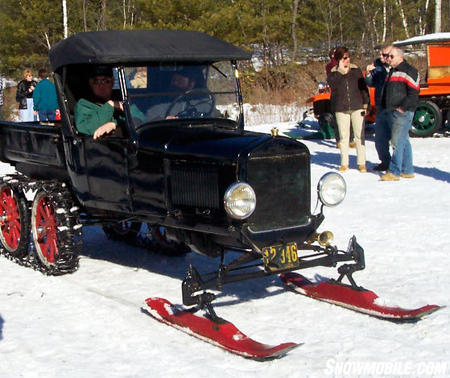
{"x": 239, "y": 200}
{"x": 331, "y": 189}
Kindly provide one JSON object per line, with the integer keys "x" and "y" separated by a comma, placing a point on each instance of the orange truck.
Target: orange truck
{"x": 433, "y": 109}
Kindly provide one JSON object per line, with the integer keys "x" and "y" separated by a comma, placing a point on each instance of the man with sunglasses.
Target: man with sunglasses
{"x": 375, "y": 77}
{"x": 399, "y": 98}
{"x": 97, "y": 115}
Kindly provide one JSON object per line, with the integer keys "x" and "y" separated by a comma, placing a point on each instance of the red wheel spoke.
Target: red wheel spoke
{"x": 16, "y": 223}
{"x": 54, "y": 250}
{"x": 45, "y": 230}
{"x": 11, "y": 226}
{"x": 45, "y": 246}
{"x": 40, "y": 215}
{"x": 9, "y": 239}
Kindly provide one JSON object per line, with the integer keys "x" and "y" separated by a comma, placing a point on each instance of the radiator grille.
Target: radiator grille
{"x": 282, "y": 187}
{"x": 195, "y": 186}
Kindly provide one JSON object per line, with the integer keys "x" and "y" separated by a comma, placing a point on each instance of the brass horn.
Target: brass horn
{"x": 324, "y": 238}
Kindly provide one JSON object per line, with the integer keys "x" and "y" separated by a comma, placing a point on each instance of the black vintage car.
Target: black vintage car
{"x": 186, "y": 168}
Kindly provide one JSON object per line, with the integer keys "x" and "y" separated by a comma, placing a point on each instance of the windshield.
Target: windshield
{"x": 173, "y": 91}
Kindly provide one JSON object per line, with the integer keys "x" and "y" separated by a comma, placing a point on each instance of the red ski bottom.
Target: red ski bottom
{"x": 223, "y": 334}
{"x": 358, "y": 300}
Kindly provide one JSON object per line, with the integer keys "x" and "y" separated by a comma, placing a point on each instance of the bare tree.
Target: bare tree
{"x": 85, "y": 15}
{"x": 423, "y": 18}
{"x": 294, "y": 35}
{"x": 404, "y": 21}
{"x": 437, "y": 16}
{"x": 384, "y": 21}
{"x": 102, "y": 19}
{"x": 64, "y": 8}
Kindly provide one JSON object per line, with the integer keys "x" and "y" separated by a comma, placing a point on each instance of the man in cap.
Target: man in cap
{"x": 98, "y": 114}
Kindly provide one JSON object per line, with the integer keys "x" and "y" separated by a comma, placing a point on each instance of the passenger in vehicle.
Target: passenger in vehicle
{"x": 98, "y": 114}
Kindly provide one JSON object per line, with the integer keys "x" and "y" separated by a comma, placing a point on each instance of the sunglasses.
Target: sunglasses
{"x": 345, "y": 57}
{"x": 102, "y": 81}
{"x": 388, "y": 56}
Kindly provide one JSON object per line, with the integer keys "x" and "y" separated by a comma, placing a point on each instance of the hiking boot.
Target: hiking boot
{"x": 381, "y": 167}
{"x": 343, "y": 168}
{"x": 362, "y": 168}
{"x": 407, "y": 175}
{"x": 389, "y": 177}
{"x": 352, "y": 144}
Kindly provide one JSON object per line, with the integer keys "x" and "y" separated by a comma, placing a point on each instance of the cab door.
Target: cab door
{"x": 99, "y": 170}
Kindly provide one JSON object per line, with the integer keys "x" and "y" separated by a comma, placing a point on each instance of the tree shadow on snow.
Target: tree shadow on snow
{"x": 1, "y": 327}
{"x": 434, "y": 173}
{"x": 332, "y": 160}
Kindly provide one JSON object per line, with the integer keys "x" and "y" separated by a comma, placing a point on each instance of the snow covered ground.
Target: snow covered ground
{"x": 89, "y": 324}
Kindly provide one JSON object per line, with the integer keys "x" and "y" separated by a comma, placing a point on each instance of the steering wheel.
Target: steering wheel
{"x": 193, "y": 99}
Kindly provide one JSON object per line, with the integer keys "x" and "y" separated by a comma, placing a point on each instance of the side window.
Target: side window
{"x": 136, "y": 77}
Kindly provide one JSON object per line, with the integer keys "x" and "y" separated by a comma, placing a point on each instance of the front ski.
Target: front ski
{"x": 357, "y": 299}
{"x": 220, "y": 333}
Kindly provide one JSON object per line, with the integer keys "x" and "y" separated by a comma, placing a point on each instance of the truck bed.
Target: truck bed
{"x": 35, "y": 149}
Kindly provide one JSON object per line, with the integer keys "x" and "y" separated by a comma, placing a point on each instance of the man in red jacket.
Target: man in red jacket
{"x": 399, "y": 98}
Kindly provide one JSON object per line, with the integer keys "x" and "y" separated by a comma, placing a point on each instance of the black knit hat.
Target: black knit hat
{"x": 101, "y": 71}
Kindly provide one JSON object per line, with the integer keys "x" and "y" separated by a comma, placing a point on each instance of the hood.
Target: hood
{"x": 200, "y": 141}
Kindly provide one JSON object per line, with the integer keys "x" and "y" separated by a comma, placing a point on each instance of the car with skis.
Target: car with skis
{"x": 184, "y": 175}
{"x": 432, "y": 111}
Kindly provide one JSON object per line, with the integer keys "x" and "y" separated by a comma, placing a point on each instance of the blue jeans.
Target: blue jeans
{"x": 383, "y": 135}
{"x": 46, "y": 115}
{"x": 402, "y": 160}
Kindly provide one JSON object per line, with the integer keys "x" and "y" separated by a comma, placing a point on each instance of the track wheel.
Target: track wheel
{"x": 45, "y": 229}
{"x": 427, "y": 119}
{"x": 125, "y": 231}
{"x": 164, "y": 244}
{"x": 14, "y": 222}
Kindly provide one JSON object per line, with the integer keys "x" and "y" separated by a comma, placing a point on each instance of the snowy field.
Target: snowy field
{"x": 89, "y": 324}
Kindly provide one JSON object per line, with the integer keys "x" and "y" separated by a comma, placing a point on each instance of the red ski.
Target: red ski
{"x": 222, "y": 334}
{"x": 360, "y": 300}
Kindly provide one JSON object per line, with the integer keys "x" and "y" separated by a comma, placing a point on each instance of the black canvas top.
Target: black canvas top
{"x": 134, "y": 46}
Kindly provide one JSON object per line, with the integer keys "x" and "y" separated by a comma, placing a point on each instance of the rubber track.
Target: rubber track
{"x": 69, "y": 229}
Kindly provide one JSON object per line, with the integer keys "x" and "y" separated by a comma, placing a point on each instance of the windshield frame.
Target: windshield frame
{"x": 127, "y": 96}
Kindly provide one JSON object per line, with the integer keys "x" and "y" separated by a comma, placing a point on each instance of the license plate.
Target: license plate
{"x": 280, "y": 257}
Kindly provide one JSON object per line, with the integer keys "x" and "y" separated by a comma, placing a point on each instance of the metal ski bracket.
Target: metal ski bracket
{"x": 192, "y": 283}
{"x": 347, "y": 270}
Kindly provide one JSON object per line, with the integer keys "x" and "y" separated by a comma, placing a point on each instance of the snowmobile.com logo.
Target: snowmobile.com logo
{"x": 385, "y": 368}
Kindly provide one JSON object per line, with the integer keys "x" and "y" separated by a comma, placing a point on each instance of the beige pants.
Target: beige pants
{"x": 357, "y": 121}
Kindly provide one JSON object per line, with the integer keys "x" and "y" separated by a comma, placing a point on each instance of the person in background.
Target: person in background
{"x": 24, "y": 96}
{"x": 332, "y": 63}
{"x": 1, "y": 92}
{"x": 349, "y": 99}
{"x": 375, "y": 77}
{"x": 399, "y": 99}
{"x": 45, "y": 102}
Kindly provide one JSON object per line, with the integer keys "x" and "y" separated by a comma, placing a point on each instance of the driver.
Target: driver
{"x": 99, "y": 113}
{"x": 180, "y": 82}
{"x": 184, "y": 104}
